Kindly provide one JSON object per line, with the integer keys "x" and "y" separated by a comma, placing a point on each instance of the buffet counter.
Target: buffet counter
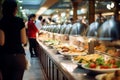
{"x": 56, "y": 67}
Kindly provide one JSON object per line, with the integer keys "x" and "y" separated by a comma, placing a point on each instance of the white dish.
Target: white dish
{"x": 72, "y": 54}
{"x": 77, "y": 62}
{"x": 100, "y": 70}
{"x": 65, "y": 53}
{"x": 68, "y": 55}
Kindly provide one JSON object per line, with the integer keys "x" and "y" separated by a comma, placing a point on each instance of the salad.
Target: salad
{"x": 101, "y": 63}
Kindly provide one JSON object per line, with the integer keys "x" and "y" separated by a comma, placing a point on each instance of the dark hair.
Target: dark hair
{"x": 33, "y": 15}
{"x": 8, "y": 7}
{"x": 44, "y": 20}
{"x": 49, "y": 19}
{"x": 40, "y": 18}
{"x": 30, "y": 16}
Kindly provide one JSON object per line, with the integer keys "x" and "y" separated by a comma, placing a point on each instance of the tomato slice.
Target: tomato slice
{"x": 114, "y": 66}
{"x": 104, "y": 67}
{"x": 92, "y": 65}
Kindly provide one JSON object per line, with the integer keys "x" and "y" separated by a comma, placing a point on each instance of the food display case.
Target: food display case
{"x": 109, "y": 35}
{"x": 76, "y": 57}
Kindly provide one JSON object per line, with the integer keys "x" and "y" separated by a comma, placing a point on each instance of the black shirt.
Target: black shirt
{"x": 11, "y": 26}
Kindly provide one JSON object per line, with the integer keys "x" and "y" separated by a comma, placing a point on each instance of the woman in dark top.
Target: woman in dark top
{"x": 12, "y": 36}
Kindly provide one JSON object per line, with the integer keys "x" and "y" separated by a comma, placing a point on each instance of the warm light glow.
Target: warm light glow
{"x": 63, "y": 14}
{"x": 83, "y": 10}
{"x": 71, "y": 12}
{"x": 41, "y": 10}
{"x": 110, "y": 13}
{"x": 84, "y": 17}
{"x": 90, "y": 39}
{"x": 110, "y": 6}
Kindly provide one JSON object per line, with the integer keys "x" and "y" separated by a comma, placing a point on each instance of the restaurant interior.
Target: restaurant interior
{"x": 83, "y": 40}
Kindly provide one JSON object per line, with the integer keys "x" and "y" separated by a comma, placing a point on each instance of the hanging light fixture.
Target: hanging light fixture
{"x": 110, "y": 6}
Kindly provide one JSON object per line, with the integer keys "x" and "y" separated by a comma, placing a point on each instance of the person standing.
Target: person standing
{"x": 12, "y": 36}
{"x": 32, "y": 34}
{"x": 38, "y": 22}
{"x": 44, "y": 22}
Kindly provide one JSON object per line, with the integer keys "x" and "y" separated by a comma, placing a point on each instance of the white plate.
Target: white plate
{"x": 77, "y": 62}
{"x": 72, "y": 54}
{"x": 67, "y": 55}
{"x": 100, "y": 70}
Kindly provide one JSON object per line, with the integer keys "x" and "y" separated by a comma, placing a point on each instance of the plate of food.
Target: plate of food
{"x": 105, "y": 69}
{"x": 101, "y": 65}
{"x": 102, "y": 76}
{"x": 108, "y": 76}
{"x": 83, "y": 59}
{"x": 68, "y": 55}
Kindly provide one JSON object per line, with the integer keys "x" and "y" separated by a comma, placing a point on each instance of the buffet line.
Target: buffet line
{"x": 75, "y": 57}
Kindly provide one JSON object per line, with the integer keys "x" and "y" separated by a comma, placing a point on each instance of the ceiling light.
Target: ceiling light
{"x": 20, "y": 7}
{"x": 108, "y": 6}
{"x": 83, "y": 10}
{"x": 95, "y": 5}
{"x": 112, "y": 5}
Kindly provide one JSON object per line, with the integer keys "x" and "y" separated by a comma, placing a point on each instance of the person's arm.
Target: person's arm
{"x": 23, "y": 36}
{"x": 2, "y": 38}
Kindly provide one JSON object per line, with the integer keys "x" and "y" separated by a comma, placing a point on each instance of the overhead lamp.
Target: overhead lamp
{"x": 110, "y": 6}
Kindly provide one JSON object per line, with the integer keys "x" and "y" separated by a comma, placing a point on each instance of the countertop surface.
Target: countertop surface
{"x": 75, "y": 70}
